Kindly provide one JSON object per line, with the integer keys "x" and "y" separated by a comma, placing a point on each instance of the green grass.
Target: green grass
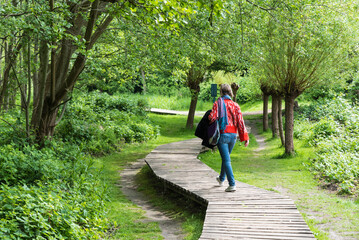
{"x": 182, "y": 103}
{"x": 127, "y": 215}
{"x": 180, "y": 208}
{"x": 326, "y": 214}
{"x": 253, "y": 106}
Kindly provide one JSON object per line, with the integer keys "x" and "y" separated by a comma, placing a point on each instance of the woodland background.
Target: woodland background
{"x": 77, "y": 79}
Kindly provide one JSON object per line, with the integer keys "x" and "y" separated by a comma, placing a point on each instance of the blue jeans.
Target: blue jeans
{"x": 225, "y": 145}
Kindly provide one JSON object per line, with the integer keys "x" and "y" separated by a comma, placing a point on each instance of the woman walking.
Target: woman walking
{"x": 229, "y": 116}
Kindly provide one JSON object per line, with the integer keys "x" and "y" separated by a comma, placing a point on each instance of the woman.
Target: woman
{"x": 231, "y": 122}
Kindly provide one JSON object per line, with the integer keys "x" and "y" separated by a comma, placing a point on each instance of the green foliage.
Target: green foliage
{"x": 324, "y": 129}
{"x": 339, "y": 108}
{"x": 51, "y": 211}
{"x": 326, "y": 214}
{"x": 11, "y": 130}
{"x": 100, "y": 122}
{"x": 248, "y": 89}
{"x": 353, "y": 89}
{"x": 334, "y": 132}
{"x": 51, "y": 193}
{"x": 56, "y": 192}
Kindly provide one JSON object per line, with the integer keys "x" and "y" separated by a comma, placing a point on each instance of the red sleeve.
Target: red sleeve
{"x": 214, "y": 115}
{"x": 241, "y": 127}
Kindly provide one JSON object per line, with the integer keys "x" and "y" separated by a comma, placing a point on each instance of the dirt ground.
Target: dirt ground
{"x": 171, "y": 229}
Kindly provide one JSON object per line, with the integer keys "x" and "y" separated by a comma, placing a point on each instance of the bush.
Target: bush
{"x": 334, "y": 132}
{"x": 340, "y": 169}
{"x": 100, "y": 122}
{"x": 338, "y": 108}
{"x": 55, "y": 192}
{"x": 49, "y": 212}
{"x": 50, "y": 193}
{"x": 248, "y": 90}
{"x": 302, "y": 128}
{"x": 323, "y": 129}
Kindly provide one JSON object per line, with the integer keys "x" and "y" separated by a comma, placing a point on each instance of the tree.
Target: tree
{"x": 66, "y": 32}
{"x": 299, "y": 45}
{"x": 266, "y": 94}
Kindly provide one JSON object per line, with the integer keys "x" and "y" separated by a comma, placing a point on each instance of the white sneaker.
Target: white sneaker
{"x": 219, "y": 181}
{"x": 231, "y": 189}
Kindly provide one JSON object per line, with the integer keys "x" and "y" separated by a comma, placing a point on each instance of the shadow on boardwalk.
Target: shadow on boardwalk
{"x": 248, "y": 213}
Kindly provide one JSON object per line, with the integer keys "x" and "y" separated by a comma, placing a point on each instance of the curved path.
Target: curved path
{"x": 248, "y": 213}
{"x": 170, "y": 228}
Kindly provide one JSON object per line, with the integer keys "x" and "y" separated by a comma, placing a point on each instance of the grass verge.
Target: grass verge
{"x": 182, "y": 103}
{"x": 178, "y": 207}
{"x": 329, "y": 216}
{"x": 124, "y": 213}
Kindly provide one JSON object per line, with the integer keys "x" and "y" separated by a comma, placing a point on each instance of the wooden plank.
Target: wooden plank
{"x": 264, "y": 225}
{"x": 248, "y": 213}
{"x": 225, "y": 236}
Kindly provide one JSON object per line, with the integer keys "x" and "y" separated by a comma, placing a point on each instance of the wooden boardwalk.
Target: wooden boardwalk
{"x": 248, "y": 213}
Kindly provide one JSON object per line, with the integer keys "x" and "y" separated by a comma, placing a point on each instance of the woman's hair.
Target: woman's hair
{"x": 225, "y": 89}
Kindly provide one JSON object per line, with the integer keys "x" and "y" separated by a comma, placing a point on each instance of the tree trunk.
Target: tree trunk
{"x": 1, "y": 57}
{"x": 35, "y": 75}
{"x": 280, "y": 121}
{"x": 143, "y": 76}
{"x": 235, "y": 88}
{"x": 4, "y": 81}
{"x": 289, "y": 123}
{"x": 27, "y": 112}
{"x": 194, "y": 79}
{"x": 53, "y": 90}
{"x": 192, "y": 110}
{"x": 275, "y": 129}
{"x": 38, "y": 103}
{"x": 12, "y": 98}
{"x": 265, "y": 112}
{"x": 10, "y": 59}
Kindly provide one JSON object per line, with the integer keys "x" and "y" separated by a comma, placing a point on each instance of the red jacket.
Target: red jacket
{"x": 235, "y": 119}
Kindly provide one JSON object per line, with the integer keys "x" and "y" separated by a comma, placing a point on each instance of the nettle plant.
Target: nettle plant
{"x": 333, "y": 130}
{"x": 101, "y": 123}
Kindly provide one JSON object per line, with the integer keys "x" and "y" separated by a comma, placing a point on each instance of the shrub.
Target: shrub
{"x": 100, "y": 122}
{"x": 302, "y": 128}
{"x": 334, "y": 132}
{"x": 49, "y": 212}
{"x": 55, "y": 192}
{"x": 338, "y": 108}
{"x": 323, "y": 129}
{"x": 341, "y": 169}
{"x": 50, "y": 193}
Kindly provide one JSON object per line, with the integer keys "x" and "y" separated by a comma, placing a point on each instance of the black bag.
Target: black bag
{"x": 202, "y": 130}
{"x": 213, "y": 133}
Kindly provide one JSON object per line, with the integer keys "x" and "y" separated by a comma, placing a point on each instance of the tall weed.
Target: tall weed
{"x": 56, "y": 192}
{"x": 101, "y": 122}
{"x": 333, "y": 130}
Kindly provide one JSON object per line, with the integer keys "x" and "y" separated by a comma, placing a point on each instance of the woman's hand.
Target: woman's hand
{"x": 246, "y": 143}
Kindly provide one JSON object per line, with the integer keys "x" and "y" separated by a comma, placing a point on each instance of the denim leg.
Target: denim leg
{"x": 225, "y": 147}
{"x": 232, "y": 142}
{"x": 222, "y": 150}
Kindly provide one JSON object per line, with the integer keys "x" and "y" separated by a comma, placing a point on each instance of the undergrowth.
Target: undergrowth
{"x": 331, "y": 127}
{"x": 58, "y": 191}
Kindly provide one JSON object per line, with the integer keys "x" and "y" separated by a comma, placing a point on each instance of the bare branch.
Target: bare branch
{"x": 14, "y": 15}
